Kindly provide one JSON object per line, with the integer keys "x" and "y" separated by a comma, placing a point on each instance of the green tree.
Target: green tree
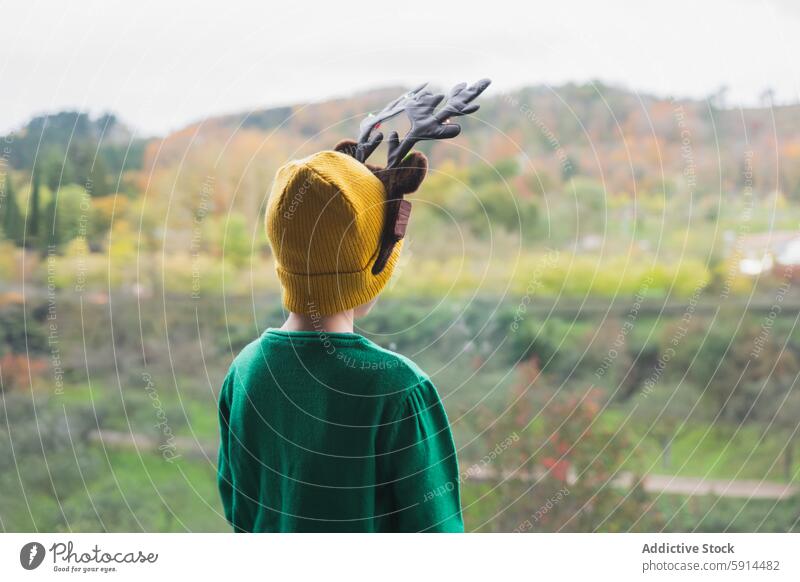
{"x": 667, "y": 409}
{"x": 99, "y": 178}
{"x": 52, "y": 234}
{"x": 11, "y": 217}
{"x": 590, "y": 197}
{"x": 57, "y": 169}
{"x": 74, "y": 212}
{"x": 33, "y": 208}
{"x": 64, "y": 215}
{"x": 236, "y": 244}
{"x": 569, "y": 169}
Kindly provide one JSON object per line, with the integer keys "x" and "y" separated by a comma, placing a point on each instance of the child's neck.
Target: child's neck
{"x": 337, "y": 323}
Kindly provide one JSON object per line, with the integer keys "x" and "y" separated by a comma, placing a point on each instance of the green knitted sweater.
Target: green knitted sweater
{"x": 329, "y": 432}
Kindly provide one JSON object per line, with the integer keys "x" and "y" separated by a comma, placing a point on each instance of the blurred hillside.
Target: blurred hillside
{"x": 627, "y": 141}
{"x": 628, "y": 181}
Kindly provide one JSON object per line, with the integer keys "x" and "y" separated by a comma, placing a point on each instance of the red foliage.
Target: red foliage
{"x": 559, "y": 468}
{"x": 17, "y": 369}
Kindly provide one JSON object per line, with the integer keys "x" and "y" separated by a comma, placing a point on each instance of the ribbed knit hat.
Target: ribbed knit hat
{"x": 324, "y": 221}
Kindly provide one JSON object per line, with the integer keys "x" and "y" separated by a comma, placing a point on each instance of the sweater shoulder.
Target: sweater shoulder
{"x": 404, "y": 373}
{"x": 253, "y": 354}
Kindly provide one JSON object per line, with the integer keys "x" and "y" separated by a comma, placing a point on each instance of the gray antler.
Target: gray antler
{"x": 427, "y": 123}
{"x": 403, "y": 175}
{"x": 367, "y": 143}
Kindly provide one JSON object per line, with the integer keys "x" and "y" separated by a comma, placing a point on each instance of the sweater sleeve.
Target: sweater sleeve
{"x": 419, "y": 465}
{"x": 224, "y": 476}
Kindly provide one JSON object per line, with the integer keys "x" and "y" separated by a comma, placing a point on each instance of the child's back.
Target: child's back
{"x": 330, "y": 432}
{"x": 321, "y": 429}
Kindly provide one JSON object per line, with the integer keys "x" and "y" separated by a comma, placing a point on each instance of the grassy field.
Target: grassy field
{"x": 138, "y": 491}
{"x": 138, "y": 372}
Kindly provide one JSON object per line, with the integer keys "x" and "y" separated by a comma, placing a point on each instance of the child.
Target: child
{"x": 321, "y": 429}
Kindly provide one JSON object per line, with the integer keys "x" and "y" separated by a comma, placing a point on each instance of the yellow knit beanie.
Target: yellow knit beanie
{"x": 324, "y": 221}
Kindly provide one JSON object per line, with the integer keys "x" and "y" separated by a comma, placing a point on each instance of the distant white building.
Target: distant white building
{"x": 768, "y": 252}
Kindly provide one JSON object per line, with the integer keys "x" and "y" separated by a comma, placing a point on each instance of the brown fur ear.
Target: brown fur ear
{"x": 407, "y": 177}
{"x": 346, "y": 146}
{"x": 404, "y": 179}
{"x": 412, "y": 172}
{"x": 399, "y": 181}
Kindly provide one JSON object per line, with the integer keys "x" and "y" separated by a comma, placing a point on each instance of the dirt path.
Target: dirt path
{"x": 749, "y": 489}
{"x": 675, "y": 485}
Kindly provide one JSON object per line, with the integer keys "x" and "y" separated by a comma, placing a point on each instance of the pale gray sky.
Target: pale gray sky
{"x": 161, "y": 64}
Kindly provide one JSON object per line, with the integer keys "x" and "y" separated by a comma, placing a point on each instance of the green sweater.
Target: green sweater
{"x": 332, "y": 433}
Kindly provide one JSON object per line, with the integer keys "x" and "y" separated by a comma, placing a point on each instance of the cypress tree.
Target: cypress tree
{"x": 33, "y": 209}
{"x": 51, "y": 237}
{"x": 12, "y": 219}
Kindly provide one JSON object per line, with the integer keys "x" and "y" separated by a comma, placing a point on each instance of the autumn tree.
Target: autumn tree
{"x": 565, "y": 472}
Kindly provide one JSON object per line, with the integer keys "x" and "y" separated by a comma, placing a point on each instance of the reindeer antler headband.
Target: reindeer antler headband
{"x": 404, "y": 173}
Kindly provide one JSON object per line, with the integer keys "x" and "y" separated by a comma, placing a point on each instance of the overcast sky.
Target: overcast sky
{"x": 163, "y": 64}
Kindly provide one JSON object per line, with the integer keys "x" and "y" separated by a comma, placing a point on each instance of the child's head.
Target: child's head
{"x": 324, "y": 221}
{"x": 336, "y": 224}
